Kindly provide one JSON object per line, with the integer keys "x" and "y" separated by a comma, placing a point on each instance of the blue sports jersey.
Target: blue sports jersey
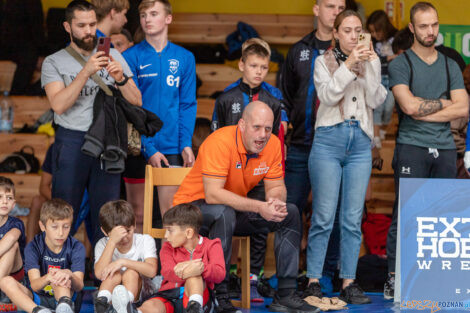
{"x": 39, "y": 256}
{"x": 13, "y": 222}
{"x": 167, "y": 81}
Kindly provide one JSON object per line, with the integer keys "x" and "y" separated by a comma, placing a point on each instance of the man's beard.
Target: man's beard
{"x": 425, "y": 44}
{"x": 85, "y": 45}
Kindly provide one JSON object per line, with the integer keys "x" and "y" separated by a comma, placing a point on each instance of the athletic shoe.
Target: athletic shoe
{"x": 65, "y": 305}
{"x": 291, "y": 304}
{"x": 193, "y": 307}
{"x": 254, "y": 295}
{"x": 101, "y": 304}
{"x": 313, "y": 289}
{"x": 389, "y": 287}
{"x": 121, "y": 301}
{"x": 353, "y": 294}
{"x": 234, "y": 286}
{"x": 41, "y": 309}
{"x": 224, "y": 305}
{"x": 264, "y": 288}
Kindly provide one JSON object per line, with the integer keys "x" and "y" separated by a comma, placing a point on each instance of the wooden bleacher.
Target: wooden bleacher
{"x": 28, "y": 109}
{"x": 213, "y": 28}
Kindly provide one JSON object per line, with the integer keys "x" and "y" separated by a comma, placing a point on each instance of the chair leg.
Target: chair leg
{"x": 245, "y": 273}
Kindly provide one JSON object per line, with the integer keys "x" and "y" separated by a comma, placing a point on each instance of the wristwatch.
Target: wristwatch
{"x": 124, "y": 81}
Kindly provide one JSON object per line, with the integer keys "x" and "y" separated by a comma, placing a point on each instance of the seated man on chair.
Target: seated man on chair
{"x": 230, "y": 162}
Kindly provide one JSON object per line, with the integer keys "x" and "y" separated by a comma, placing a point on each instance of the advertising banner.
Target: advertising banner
{"x": 434, "y": 244}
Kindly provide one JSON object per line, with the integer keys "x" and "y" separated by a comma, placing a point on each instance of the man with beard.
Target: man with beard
{"x": 71, "y": 92}
{"x": 430, "y": 92}
{"x": 230, "y": 162}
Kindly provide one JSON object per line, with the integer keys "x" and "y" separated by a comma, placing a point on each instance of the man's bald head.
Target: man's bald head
{"x": 257, "y": 107}
{"x": 256, "y": 126}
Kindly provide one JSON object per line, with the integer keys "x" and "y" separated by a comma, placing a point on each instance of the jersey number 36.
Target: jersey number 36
{"x": 171, "y": 81}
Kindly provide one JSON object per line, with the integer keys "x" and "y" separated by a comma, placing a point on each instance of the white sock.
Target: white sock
{"x": 197, "y": 298}
{"x": 131, "y": 296}
{"x": 106, "y": 294}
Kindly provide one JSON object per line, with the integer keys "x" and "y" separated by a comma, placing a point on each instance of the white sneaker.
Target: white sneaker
{"x": 120, "y": 300}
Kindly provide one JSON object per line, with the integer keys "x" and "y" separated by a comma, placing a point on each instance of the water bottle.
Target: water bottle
{"x": 6, "y": 113}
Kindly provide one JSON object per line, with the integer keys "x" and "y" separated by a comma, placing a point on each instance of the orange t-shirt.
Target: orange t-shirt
{"x": 223, "y": 156}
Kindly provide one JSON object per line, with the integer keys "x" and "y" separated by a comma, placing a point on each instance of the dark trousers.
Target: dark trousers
{"x": 221, "y": 221}
{"x": 416, "y": 162}
{"x": 257, "y": 240}
{"x": 73, "y": 172}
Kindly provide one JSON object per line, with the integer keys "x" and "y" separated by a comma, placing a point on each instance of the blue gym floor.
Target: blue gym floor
{"x": 378, "y": 305}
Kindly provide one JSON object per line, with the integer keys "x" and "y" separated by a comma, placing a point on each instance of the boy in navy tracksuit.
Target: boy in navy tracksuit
{"x": 254, "y": 65}
{"x": 12, "y": 236}
{"x": 165, "y": 73}
{"x": 54, "y": 262}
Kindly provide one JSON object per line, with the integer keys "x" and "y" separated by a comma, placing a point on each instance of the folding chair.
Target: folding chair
{"x": 174, "y": 177}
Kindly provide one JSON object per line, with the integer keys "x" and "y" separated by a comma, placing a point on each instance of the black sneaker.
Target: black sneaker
{"x": 64, "y": 305}
{"x": 41, "y": 309}
{"x": 291, "y": 304}
{"x": 101, "y": 304}
{"x": 353, "y": 294}
{"x": 264, "y": 288}
{"x": 193, "y": 307}
{"x": 389, "y": 287}
{"x": 234, "y": 287}
{"x": 224, "y": 305}
{"x": 313, "y": 289}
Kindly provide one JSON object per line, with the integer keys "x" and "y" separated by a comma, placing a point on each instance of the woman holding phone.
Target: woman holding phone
{"x": 347, "y": 82}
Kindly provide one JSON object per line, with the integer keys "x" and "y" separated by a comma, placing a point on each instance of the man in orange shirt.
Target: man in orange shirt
{"x": 230, "y": 162}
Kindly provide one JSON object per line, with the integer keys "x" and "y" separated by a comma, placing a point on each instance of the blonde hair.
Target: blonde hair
{"x": 257, "y": 47}
{"x": 145, "y": 4}
{"x": 103, "y": 7}
{"x": 55, "y": 210}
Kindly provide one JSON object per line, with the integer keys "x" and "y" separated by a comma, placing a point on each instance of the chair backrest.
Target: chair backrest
{"x": 159, "y": 177}
{"x": 7, "y": 71}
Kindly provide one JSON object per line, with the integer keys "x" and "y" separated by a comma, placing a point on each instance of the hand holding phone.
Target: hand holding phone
{"x": 104, "y": 43}
{"x": 364, "y": 40}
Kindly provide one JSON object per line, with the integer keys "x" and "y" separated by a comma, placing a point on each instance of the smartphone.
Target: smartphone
{"x": 103, "y": 45}
{"x": 364, "y": 39}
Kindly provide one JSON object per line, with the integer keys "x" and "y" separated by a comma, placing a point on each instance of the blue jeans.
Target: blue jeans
{"x": 298, "y": 187}
{"x": 340, "y": 158}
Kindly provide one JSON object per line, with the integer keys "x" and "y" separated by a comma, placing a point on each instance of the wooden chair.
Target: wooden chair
{"x": 7, "y": 71}
{"x": 174, "y": 177}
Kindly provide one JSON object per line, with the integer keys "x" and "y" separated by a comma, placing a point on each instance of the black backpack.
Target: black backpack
{"x": 20, "y": 162}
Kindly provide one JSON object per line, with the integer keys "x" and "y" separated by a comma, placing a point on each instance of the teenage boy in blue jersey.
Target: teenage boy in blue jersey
{"x": 54, "y": 262}
{"x": 166, "y": 76}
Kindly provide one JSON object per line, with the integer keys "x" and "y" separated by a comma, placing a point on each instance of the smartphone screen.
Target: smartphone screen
{"x": 103, "y": 45}
{"x": 364, "y": 39}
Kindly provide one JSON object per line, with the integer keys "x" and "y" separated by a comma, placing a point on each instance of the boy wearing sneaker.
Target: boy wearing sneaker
{"x": 54, "y": 263}
{"x": 12, "y": 236}
{"x": 124, "y": 260}
{"x": 191, "y": 264}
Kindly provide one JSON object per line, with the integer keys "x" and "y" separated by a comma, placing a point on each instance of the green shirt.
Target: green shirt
{"x": 429, "y": 82}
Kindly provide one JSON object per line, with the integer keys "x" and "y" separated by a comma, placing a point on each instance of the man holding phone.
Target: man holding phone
{"x": 71, "y": 92}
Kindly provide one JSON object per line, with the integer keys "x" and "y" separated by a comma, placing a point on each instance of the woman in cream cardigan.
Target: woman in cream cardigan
{"x": 347, "y": 81}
